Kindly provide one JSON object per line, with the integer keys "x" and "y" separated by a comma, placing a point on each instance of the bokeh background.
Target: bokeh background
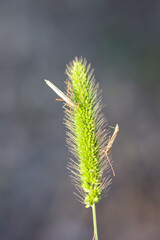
{"x": 122, "y": 41}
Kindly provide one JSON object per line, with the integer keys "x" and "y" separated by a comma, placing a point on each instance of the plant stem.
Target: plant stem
{"x": 94, "y": 221}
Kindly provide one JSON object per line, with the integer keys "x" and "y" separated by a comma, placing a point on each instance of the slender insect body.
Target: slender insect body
{"x": 60, "y": 93}
{"x": 112, "y": 139}
{"x": 109, "y": 146}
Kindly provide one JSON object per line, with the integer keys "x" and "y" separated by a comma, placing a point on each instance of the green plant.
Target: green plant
{"x": 87, "y": 135}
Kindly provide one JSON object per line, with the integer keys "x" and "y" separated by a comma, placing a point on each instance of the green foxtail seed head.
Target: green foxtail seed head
{"x": 87, "y": 135}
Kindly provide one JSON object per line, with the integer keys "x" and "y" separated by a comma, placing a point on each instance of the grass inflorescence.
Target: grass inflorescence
{"x": 87, "y": 135}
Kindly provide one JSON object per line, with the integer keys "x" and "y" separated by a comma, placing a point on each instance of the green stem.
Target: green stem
{"x": 94, "y": 221}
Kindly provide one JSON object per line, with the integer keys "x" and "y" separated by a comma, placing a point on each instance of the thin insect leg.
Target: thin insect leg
{"x": 111, "y": 127}
{"x": 64, "y": 105}
{"x": 60, "y": 100}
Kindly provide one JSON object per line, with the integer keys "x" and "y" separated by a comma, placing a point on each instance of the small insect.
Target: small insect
{"x": 111, "y": 140}
{"x": 109, "y": 145}
{"x": 60, "y": 93}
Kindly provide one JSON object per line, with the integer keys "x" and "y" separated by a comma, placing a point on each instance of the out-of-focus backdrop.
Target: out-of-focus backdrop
{"x": 122, "y": 41}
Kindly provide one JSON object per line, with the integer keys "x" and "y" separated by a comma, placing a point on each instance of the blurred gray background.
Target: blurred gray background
{"x": 122, "y": 41}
